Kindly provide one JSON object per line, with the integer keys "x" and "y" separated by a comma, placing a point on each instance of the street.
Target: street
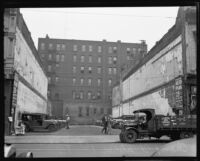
{"x": 83, "y": 141}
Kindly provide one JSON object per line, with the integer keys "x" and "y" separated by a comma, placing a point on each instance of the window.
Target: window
{"x": 63, "y": 47}
{"x": 89, "y": 82}
{"x": 75, "y": 48}
{"x": 43, "y": 55}
{"x": 74, "y": 95}
{"x": 115, "y": 49}
{"x": 99, "y": 70}
{"x": 57, "y": 79}
{"x": 58, "y": 47}
{"x": 110, "y": 49}
{"x": 109, "y": 70}
{"x": 90, "y": 70}
{"x": 80, "y": 111}
{"x": 81, "y": 95}
{"x": 49, "y": 68}
{"x": 90, "y": 59}
{"x": 99, "y": 49}
{"x": 57, "y": 96}
{"x": 109, "y": 60}
{"x": 114, "y": 70}
{"x": 50, "y": 57}
{"x": 98, "y": 82}
{"x": 89, "y": 95}
{"x": 128, "y": 50}
{"x": 87, "y": 111}
{"x": 128, "y": 57}
{"x": 74, "y": 69}
{"x": 74, "y": 58}
{"x": 98, "y": 95}
{"x": 82, "y": 81}
{"x": 50, "y": 46}
{"x": 62, "y": 58}
{"x": 82, "y": 58}
{"x": 109, "y": 82}
{"x": 42, "y": 46}
{"x": 57, "y": 65}
{"x": 83, "y": 48}
{"x": 99, "y": 60}
{"x": 57, "y": 58}
{"x": 90, "y": 48}
{"x": 102, "y": 110}
{"x": 114, "y": 60}
{"x": 74, "y": 81}
{"x": 82, "y": 69}
{"x": 134, "y": 51}
{"x": 49, "y": 80}
{"x": 139, "y": 50}
{"x": 95, "y": 111}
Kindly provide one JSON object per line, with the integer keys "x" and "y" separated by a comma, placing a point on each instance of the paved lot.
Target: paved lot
{"x": 90, "y": 150}
{"x": 80, "y": 130}
{"x": 82, "y": 141}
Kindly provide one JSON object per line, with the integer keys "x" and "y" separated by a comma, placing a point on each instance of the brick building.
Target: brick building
{"x": 82, "y": 73}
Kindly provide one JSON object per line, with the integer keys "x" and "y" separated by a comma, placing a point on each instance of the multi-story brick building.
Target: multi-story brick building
{"x": 82, "y": 73}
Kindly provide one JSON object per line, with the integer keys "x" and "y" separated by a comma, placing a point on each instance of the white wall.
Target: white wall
{"x": 28, "y": 101}
{"x": 28, "y": 67}
{"x": 116, "y": 98}
{"x": 163, "y": 67}
{"x": 191, "y": 49}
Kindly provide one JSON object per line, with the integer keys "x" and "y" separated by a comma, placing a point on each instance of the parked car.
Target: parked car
{"x": 179, "y": 148}
{"x": 98, "y": 123}
{"x": 37, "y": 121}
{"x": 10, "y": 152}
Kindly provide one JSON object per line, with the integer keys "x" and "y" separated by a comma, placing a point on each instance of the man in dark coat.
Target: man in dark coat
{"x": 105, "y": 124}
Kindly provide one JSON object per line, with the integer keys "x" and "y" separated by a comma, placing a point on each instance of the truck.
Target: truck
{"x": 153, "y": 125}
{"x": 38, "y": 122}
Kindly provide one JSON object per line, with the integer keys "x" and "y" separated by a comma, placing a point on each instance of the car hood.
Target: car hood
{"x": 183, "y": 147}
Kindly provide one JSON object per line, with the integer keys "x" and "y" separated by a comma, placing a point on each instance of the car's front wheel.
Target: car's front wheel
{"x": 51, "y": 128}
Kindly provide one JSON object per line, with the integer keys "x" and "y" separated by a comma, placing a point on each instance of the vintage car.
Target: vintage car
{"x": 10, "y": 152}
{"x": 98, "y": 123}
{"x": 37, "y": 122}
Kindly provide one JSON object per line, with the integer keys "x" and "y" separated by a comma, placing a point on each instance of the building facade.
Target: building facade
{"x": 165, "y": 79}
{"x": 82, "y": 73}
{"x": 25, "y": 80}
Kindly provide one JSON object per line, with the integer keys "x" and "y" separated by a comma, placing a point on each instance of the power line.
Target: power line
{"x": 105, "y": 14}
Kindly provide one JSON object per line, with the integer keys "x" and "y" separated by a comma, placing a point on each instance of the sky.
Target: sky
{"x": 128, "y": 24}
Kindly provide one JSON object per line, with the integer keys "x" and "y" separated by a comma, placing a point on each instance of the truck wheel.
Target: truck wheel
{"x": 186, "y": 135}
{"x": 51, "y": 128}
{"x": 121, "y": 137}
{"x": 130, "y": 136}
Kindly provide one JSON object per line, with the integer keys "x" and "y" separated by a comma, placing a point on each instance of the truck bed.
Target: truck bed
{"x": 176, "y": 122}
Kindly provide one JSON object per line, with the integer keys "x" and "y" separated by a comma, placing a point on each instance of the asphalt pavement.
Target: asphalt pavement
{"x": 82, "y": 141}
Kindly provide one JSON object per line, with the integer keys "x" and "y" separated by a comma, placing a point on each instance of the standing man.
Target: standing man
{"x": 105, "y": 124}
{"x": 67, "y": 121}
{"x": 109, "y": 125}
